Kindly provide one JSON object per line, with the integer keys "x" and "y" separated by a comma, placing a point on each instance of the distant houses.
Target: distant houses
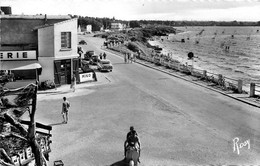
{"x": 118, "y": 26}
{"x": 115, "y": 26}
{"x": 82, "y": 30}
{"x": 89, "y": 28}
{"x": 79, "y": 30}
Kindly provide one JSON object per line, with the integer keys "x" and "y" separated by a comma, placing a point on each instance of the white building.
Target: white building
{"x": 117, "y": 26}
{"x": 89, "y": 28}
{"x": 58, "y": 51}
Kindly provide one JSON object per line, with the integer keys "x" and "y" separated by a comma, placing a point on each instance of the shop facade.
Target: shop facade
{"x": 58, "y": 51}
{"x": 39, "y": 47}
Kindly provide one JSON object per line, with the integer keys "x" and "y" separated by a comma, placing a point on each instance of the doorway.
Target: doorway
{"x": 62, "y": 72}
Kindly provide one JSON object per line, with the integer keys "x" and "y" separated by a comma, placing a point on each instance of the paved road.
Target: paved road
{"x": 178, "y": 122}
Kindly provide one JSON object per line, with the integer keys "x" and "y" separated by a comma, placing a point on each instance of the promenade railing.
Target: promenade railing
{"x": 257, "y": 88}
{"x": 254, "y": 90}
{"x": 225, "y": 83}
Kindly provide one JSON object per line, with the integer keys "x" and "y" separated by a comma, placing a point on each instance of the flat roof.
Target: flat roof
{"x": 35, "y": 16}
{"x": 48, "y": 25}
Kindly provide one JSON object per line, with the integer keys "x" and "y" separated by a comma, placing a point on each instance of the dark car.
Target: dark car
{"x": 83, "y": 42}
{"x": 87, "y": 55}
{"x": 94, "y": 60}
{"x": 104, "y": 65}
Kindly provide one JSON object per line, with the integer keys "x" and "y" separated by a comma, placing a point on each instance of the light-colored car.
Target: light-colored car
{"x": 104, "y": 65}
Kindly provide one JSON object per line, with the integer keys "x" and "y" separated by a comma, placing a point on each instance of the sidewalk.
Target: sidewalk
{"x": 81, "y": 89}
{"x": 240, "y": 97}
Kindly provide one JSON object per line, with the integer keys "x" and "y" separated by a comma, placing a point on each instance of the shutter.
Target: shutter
{"x": 57, "y": 65}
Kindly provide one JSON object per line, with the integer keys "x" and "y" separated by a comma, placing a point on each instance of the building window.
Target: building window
{"x": 65, "y": 40}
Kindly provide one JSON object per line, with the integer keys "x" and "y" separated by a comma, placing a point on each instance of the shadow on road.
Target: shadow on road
{"x": 55, "y": 124}
{"x": 53, "y": 92}
{"x": 46, "y": 92}
{"x": 114, "y": 64}
{"x": 120, "y": 163}
{"x": 60, "y": 93}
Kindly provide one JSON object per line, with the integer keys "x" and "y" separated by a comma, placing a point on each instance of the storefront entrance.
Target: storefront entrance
{"x": 63, "y": 69}
{"x": 62, "y": 72}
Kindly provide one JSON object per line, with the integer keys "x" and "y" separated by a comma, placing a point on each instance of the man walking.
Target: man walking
{"x": 104, "y": 55}
{"x": 125, "y": 57}
{"x": 131, "y": 57}
{"x": 65, "y": 110}
{"x": 128, "y": 57}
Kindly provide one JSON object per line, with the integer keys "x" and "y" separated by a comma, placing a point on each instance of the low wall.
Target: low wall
{"x": 216, "y": 79}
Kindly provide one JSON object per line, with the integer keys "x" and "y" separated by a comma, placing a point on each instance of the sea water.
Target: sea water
{"x": 233, "y": 52}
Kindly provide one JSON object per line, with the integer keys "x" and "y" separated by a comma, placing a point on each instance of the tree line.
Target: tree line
{"x": 105, "y": 23}
{"x": 199, "y": 23}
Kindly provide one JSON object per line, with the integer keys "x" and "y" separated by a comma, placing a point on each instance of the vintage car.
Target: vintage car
{"x": 88, "y": 55}
{"x": 82, "y": 42}
{"x": 85, "y": 64}
{"x": 104, "y": 65}
{"x": 94, "y": 60}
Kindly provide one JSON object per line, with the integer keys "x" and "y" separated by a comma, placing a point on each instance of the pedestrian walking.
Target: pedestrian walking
{"x": 80, "y": 51}
{"x": 131, "y": 57}
{"x": 100, "y": 56}
{"x": 125, "y": 57}
{"x": 138, "y": 53}
{"x": 65, "y": 110}
{"x": 134, "y": 57}
{"x": 104, "y": 55}
{"x": 128, "y": 57}
{"x": 73, "y": 83}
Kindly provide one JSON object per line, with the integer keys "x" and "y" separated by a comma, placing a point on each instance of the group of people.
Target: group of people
{"x": 102, "y": 56}
{"x": 129, "y": 57}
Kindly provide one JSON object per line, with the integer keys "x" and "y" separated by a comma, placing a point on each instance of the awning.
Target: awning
{"x": 19, "y": 65}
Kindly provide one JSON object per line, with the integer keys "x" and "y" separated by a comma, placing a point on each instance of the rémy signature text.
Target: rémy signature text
{"x": 239, "y": 145}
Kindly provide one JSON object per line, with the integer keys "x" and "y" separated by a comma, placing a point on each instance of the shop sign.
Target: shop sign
{"x": 17, "y": 55}
{"x": 86, "y": 77}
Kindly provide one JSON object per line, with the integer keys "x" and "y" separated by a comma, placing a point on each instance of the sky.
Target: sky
{"x": 189, "y": 10}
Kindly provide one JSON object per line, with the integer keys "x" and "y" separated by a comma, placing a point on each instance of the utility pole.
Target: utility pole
{"x": 31, "y": 131}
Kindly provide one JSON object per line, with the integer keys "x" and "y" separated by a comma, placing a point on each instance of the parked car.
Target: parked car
{"x": 86, "y": 68}
{"x": 88, "y": 54}
{"x": 104, "y": 65}
{"x": 85, "y": 63}
{"x": 94, "y": 60}
{"x": 82, "y": 42}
